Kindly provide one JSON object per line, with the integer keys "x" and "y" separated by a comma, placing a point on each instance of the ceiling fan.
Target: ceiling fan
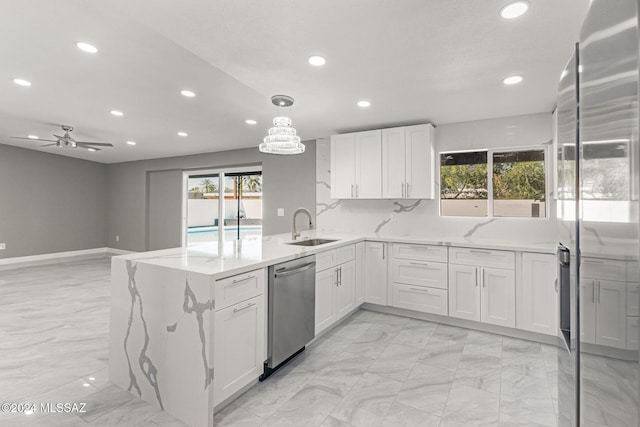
{"x": 66, "y": 141}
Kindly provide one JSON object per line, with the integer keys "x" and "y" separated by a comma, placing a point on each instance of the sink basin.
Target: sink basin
{"x": 311, "y": 242}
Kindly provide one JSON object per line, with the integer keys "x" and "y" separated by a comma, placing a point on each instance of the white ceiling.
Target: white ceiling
{"x": 439, "y": 61}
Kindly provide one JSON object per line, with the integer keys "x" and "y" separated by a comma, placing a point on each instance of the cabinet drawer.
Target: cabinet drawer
{"x": 633, "y": 329}
{"x": 421, "y": 273}
{"x": 483, "y": 257}
{"x": 419, "y": 298}
{"x": 328, "y": 259}
{"x": 420, "y": 252}
{"x": 633, "y": 299}
{"x": 607, "y": 269}
{"x": 238, "y": 288}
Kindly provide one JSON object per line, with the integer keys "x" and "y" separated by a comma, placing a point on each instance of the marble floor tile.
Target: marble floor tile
{"x": 334, "y": 422}
{"x": 453, "y": 333}
{"x": 368, "y": 401}
{"x": 415, "y": 333}
{"x": 396, "y": 361}
{"x": 483, "y": 343}
{"x": 309, "y": 407}
{"x": 442, "y": 352}
{"x": 527, "y": 411}
{"x": 427, "y": 388}
{"x": 346, "y": 370}
{"x": 479, "y": 371}
{"x": 372, "y": 342}
{"x": 518, "y": 386}
{"x": 400, "y": 415}
{"x": 103, "y": 401}
{"x": 469, "y": 406}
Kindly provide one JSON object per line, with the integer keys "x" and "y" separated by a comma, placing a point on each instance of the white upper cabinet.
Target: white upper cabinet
{"x": 356, "y": 165}
{"x": 408, "y": 162}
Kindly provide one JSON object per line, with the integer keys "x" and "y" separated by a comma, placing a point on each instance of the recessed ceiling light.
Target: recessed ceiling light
{"x": 187, "y": 93}
{"x": 579, "y": 68}
{"x": 33, "y": 137}
{"x": 131, "y": 142}
{"x": 117, "y": 113}
{"x": 512, "y": 80}
{"x": 86, "y": 385}
{"x": 250, "y": 122}
{"x": 92, "y": 378}
{"x": 87, "y": 47}
{"x": 317, "y": 61}
{"x": 364, "y": 104}
{"x": 514, "y": 10}
{"x": 22, "y": 82}
{"x": 182, "y": 134}
{"x": 91, "y": 149}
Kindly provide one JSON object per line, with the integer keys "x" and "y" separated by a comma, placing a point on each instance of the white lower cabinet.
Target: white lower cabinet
{"x": 537, "y": 299}
{"x": 336, "y": 289}
{"x": 420, "y": 298}
{"x": 483, "y": 294}
{"x": 238, "y": 348}
{"x": 375, "y": 288}
{"x": 603, "y": 313}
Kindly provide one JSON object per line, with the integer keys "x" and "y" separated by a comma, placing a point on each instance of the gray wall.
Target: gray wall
{"x": 50, "y": 203}
{"x": 135, "y": 206}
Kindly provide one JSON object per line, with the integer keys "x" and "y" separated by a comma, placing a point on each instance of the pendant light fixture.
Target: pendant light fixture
{"x": 281, "y": 138}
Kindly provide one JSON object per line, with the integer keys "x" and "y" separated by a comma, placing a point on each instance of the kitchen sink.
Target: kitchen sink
{"x": 311, "y": 242}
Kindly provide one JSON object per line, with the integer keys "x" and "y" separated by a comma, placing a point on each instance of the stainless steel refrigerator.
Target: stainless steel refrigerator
{"x": 596, "y": 187}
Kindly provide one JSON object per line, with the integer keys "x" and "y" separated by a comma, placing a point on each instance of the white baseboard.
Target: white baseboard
{"x": 55, "y": 255}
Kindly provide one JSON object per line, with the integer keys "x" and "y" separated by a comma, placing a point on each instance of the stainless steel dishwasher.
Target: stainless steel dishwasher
{"x": 291, "y": 311}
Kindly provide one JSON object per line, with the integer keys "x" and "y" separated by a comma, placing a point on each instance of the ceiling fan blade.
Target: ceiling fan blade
{"x": 99, "y": 144}
{"x": 49, "y": 145}
{"x": 30, "y": 139}
{"x": 58, "y": 136}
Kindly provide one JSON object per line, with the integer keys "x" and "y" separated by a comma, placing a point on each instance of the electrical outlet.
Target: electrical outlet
{"x": 117, "y": 238}
{"x": 280, "y": 211}
{"x": 3, "y": 246}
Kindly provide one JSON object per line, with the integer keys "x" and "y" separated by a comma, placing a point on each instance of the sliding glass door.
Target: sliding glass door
{"x": 223, "y": 205}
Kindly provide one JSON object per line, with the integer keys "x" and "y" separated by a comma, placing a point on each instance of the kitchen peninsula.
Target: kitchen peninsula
{"x": 165, "y": 344}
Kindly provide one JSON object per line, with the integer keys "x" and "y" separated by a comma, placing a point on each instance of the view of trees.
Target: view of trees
{"x": 208, "y": 186}
{"x": 464, "y": 181}
{"x": 519, "y": 181}
{"x": 252, "y": 184}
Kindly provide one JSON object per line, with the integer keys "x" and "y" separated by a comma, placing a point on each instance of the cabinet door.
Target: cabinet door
{"x": 360, "y": 273}
{"x": 464, "y": 292}
{"x": 375, "y": 287}
{"x": 588, "y": 311}
{"x": 611, "y": 314}
{"x": 369, "y": 164}
{"x": 498, "y": 297}
{"x": 633, "y": 331}
{"x": 537, "y": 304}
{"x": 346, "y": 290}
{"x": 238, "y": 348}
{"x": 343, "y": 160}
{"x": 393, "y": 164}
{"x": 420, "y": 167}
{"x": 326, "y": 283}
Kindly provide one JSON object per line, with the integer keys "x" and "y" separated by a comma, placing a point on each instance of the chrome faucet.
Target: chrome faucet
{"x": 295, "y": 233}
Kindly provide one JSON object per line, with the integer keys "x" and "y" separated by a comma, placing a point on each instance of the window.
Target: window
{"x": 515, "y": 188}
{"x": 222, "y": 205}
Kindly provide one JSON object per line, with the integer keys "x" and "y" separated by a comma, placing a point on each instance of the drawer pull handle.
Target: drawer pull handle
{"x": 421, "y": 264}
{"x": 479, "y": 252}
{"x": 426, "y": 291}
{"x": 593, "y": 261}
{"x": 235, "y": 310}
{"x": 244, "y": 280}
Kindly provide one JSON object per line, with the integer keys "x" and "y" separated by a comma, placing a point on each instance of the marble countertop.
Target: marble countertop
{"x": 248, "y": 254}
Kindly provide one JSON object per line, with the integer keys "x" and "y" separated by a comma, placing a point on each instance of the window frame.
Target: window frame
{"x": 490, "y": 200}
